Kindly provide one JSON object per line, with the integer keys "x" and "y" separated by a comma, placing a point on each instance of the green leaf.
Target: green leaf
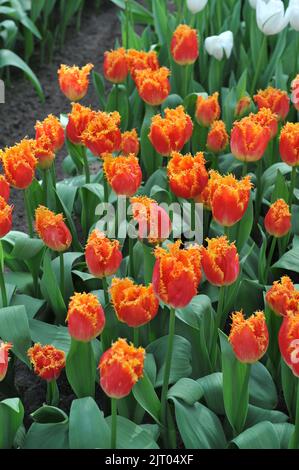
{"x": 132, "y": 436}
{"x": 149, "y": 158}
{"x": 199, "y": 427}
{"x": 81, "y": 368}
{"x": 45, "y": 333}
{"x": 9, "y": 58}
{"x": 235, "y": 385}
{"x": 87, "y": 426}
{"x": 11, "y": 418}
{"x": 186, "y": 390}
{"x": 180, "y": 366}
{"x": 49, "y": 414}
{"x": 256, "y": 415}
{"x": 262, "y": 390}
{"x": 260, "y": 436}
{"x": 289, "y": 261}
{"x": 212, "y": 386}
{"x": 193, "y": 314}
{"x": 32, "y": 305}
{"x": 47, "y": 436}
{"x": 118, "y": 101}
{"x": 147, "y": 398}
{"x": 14, "y": 328}
{"x": 99, "y": 85}
{"x": 50, "y": 289}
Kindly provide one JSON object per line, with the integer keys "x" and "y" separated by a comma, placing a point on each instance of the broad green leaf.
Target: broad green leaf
{"x": 11, "y": 418}
{"x": 132, "y": 436}
{"x": 14, "y": 328}
{"x": 186, "y": 390}
{"x": 81, "y": 368}
{"x": 47, "y": 436}
{"x": 147, "y": 398}
{"x": 260, "y": 436}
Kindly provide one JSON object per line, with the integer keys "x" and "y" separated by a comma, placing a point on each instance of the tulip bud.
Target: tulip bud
{"x": 187, "y": 174}
{"x": 184, "y": 45}
{"x": 4, "y": 358}
{"x": 289, "y": 143}
{"x": 228, "y": 198}
{"x": 217, "y": 46}
{"x": 249, "y": 139}
{"x": 270, "y": 16}
{"x": 249, "y": 337}
{"x": 19, "y": 163}
{"x": 153, "y": 86}
{"x": 177, "y": 274}
{"x": 4, "y": 188}
{"x": 79, "y": 119}
{"x": 74, "y": 81}
{"x": 47, "y": 361}
{"x": 243, "y": 106}
{"x": 266, "y": 118}
{"x": 52, "y": 129}
{"x": 171, "y": 133}
{"x": 288, "y": 340}
{"x": 220, "y": 261}
{"x": 102, "y": 133}
{"x": 129, "y": 142}
{"x": 274, "y": 99}
{"x": 279, "y": 295}
{"x": 278, "y": 219}
{"x": 115, "y": 65}
{"x": 141, "y": 60}
{"x": 5, "y": 217}
{"x": 217, "y": 137}
{"x": 292, "y": 14}
{"x": 195, "y": 6}
{"x": 52, "y": 229}
{"x": 85, "y": 317}
{"x": 44, "y": 152}
{"x": 120, "y": 368}
{"x": 123, "y": 173}
{"x": 134, "y": 304}
{"x": 207, "y": 109}
{"x": 103, "y": 256}
{"x": 154, "y": 224}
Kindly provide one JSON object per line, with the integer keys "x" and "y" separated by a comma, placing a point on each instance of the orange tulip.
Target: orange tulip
{"x": 205, "y": 196}
{"x": 170, "y": 134}
{"x": 207, "y": 109}
{"x": 249, "y": 140}
{"x": 242, "y": 106}
{"x": 52, "y": 129}
{"x": 115, "y": 65}
{"x": 184, "y": 45}
{"x": 229, "y": 198}
{"x": 74, "y": 81}
{"x": 123, "y": 173}
{"x": 103, "y": 256}
{"x": 19, "y": 163}
{"x": 52, "y": 229}
{"x": 295, "y": 92}
{"x": 102, "y": 133}
{"x": 266, "y": 118}
{"x": 279, "y": 295}
{"x": 153, "y": 86}
{"x": 288, "y": 340}
{"x": 120, "y": 368}
{"x": 44, "y": 152}
{"x": 154, "y": 224}
{"x": 4, "y": 188}
{"x": 47, "y": 361}
{"x": 129, "y": 142}
{"x": 289, "y": 144}
{"x": 220, "y": 261}
{"x": 249, "y": 337}
{"x": 176, "y": 274}
{"x": 134, "y": 304}
{"x": 187, "y": 175}
{"x": 85, "y": 317}
{"x": 217, "y": 137}
{"x": 278, "y": 219}
{"x": 141, "y": 60}
{"x": 79, "y": 119}
{"x": 4, "y": 359}
{"x": 5, "y": 217}
{"x": 274, "y": 99}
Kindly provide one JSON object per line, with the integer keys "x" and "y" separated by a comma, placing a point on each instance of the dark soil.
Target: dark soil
{"x": 18, "y": 115}
{"x": 23, "y": 108}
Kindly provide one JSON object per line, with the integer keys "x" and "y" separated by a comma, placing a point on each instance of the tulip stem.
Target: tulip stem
{"x": 52, "y": 398}
{"x": 136, "y": 337}
{"x": 269, "y": 258}
{"x": 2, "y": 280}
{"x": 28, "y": 212}
{"x": 226, "y": 232}
{"x": 45, "y": 187}
{"x": 106, "y": 189}
{"x": 62, "y": 286}
{"x": 167, "y": 368}
{"x": 294, "y": 442}
{"x": 131, "y": 256}
{"x": 105, "y": 288}
{"x": 192, "y": 208}
{"x": 86, "y": 166}
{"x": 259, "y": 193}
{"x": 292, "y": 186}
{"x": 113, "y": 422}
{"x": 185, "y": 83}
{"x": 245, "y": 169}
{"x": 258, "y": 65}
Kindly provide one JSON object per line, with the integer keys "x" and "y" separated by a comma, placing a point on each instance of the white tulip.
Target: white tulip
{"x": 195, "y": 6}
{"x": 218, "y": 45}
{"x": 270, "y": 16}
{"x": 293, "y": 14}
{"x": 252, "y": 3}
